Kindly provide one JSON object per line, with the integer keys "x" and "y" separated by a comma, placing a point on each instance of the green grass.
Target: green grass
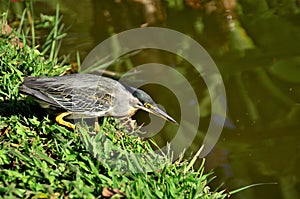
{"x": 40, "y": 159}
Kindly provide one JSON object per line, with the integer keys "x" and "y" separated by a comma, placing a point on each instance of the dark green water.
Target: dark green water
{"x": 256, "y": 46}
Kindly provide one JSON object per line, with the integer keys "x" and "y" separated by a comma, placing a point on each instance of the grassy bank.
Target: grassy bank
{"x": 41, "y": 159}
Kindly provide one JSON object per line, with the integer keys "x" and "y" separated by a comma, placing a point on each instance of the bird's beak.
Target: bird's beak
{"x": 158, "y": 112}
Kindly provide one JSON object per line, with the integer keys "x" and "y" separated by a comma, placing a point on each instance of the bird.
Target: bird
{"x": 89, "y": 96}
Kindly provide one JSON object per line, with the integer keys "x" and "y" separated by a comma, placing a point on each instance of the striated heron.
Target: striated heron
{"x": 89, "y": 96}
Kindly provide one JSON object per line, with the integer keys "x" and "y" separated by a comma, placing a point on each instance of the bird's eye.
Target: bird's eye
{"x": 147, "y": 105}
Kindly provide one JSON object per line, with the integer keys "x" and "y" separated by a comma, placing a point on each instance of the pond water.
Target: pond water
{"x": 256, "y": 46}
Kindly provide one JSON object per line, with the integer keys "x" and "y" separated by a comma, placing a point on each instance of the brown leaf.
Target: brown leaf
{"x": 4, "y": 132}
{"x": 110, "y": 192}
{"x": 7, "y": 30}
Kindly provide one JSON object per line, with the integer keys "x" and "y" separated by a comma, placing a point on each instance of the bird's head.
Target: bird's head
{"x": 146, "y": 103}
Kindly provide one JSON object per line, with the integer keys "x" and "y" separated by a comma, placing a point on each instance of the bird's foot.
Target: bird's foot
{"x": 128, "y": 124}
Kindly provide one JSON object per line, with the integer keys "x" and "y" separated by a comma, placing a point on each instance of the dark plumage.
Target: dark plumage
{"x": 87, "y": 95}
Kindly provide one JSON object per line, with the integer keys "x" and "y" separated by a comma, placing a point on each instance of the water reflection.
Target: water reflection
{"x": 256, "y": 47}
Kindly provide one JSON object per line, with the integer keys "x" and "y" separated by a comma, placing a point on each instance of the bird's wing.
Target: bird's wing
{"x": 83, "y": 100}
{"x": 75, "y": 93}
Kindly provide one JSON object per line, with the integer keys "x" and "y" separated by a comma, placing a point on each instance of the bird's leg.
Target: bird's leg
{"x": 97, "y": 127}
{"x": 129, "y": 124}
{"x": 60, "y": 120}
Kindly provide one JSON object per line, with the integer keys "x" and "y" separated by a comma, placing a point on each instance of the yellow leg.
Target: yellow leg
{"x": 97, "y": 127}
{"x": 60, "y": 120}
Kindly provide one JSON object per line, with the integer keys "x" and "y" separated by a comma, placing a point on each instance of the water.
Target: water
{"x": 255, "y": 45}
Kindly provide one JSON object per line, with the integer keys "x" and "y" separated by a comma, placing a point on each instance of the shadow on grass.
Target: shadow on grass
{"x": 24, "y": 107}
